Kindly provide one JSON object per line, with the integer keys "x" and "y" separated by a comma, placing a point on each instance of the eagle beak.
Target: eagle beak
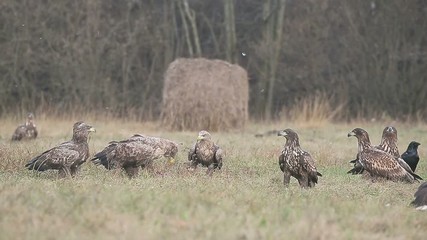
{"x": 171, "y": 160}
{"x": 351, "y": 134}
{"x": 281, "y": 133}
{"x": 200, "y": 137}
{"x": 92, "y": 129}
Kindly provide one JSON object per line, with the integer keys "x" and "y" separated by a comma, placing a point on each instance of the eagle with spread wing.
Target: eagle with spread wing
{"x": 380, "y": 164}
{"x": 420, "y": 201}
{"x": 296, "y": 162}
{"x": 411, "y": 155}
{"x": 66, "y": 157}
{"x": 138, "y": 151}
{"x": 206, "y": 153}
{"x": 388, "y": 144}
{"x": 26, "y": 131}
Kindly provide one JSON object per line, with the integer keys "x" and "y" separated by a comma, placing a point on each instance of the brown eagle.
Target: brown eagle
{"x": 206, "y": 152}
{"x": 135, "y": 152}
{"x": 68, "y": 156}
{"x": 380, "y": 164}
{"x": 26, "y": 131}
{"x": 420, "y": 201}
{"x": 388, "y": 144}
{"x": 296, "y": 162}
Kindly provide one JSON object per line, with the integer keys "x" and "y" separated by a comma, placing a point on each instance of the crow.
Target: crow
{"x": 411, "y": 155}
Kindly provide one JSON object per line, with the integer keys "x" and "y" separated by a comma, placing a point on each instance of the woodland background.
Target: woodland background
{"x": 362, "y": 58}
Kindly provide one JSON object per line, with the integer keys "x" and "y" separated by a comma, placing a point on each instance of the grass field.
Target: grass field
{"x": 245, "y": 200}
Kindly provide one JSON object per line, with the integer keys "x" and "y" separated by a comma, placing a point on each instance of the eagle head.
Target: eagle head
{"x": 81, "y": 131}
{"x": 287, "y": 133}
{"x": 357, "y": 132}
{"x": 390, "y": 132}
{"x": 203, "y": 135}
{"x": 290, "y": 135}
{"x": 360, "y": 134}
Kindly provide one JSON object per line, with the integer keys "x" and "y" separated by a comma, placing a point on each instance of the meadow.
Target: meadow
{"x": 244, "y": 200}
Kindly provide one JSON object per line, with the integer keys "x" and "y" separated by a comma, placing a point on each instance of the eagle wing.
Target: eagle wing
{"x": 19, "y": 133}
{"x": 420, "y": 196}
{"x": 379, "y": 163}
{"x": 58, "y": 157}
{"x": 307, "y": 162}
{"x": 219, "y": 156}
{"x": 192, "y": 156}
{"x": 282, "y": 162}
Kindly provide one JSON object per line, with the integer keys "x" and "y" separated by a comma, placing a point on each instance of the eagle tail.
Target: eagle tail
{"x": 101, "y": 158}
{"x": 416, "y": 176}
{"x": 36, "y": 164}
{"x": 319, "y": 174}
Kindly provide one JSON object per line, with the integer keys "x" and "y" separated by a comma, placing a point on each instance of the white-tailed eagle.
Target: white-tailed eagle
{"x": 296, "y": 162}
{"x": 380, "y": 164}
{"x": 138, "y": 151}
{"x": 66, "y": 157}
{"x": 388, "y": 144}
{"x": 420, "y": 201}
{"x": 206, "y": 153}
{"x": 26, "y": 131}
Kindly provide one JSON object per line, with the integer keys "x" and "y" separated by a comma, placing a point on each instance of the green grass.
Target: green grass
{"x": 245, "y": 200}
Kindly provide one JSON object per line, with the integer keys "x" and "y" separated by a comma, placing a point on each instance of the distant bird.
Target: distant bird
{"x": 411, "y": 155}
{"x": 135, "y": 152}
{"x": 380, "y": 164}
{"x": 420, "y": 201}
{"x": 26, "y": 131}
{"x": 206, "y": 152}
{"x": 66, "y": 157}
{"x": 296, "y": 162}
{"x": 265, "y": 134}
{"x": 388, "y": 144}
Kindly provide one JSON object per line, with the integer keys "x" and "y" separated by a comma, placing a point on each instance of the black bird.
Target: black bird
{"x": 420, "y": 201}
{"x": 411, "y": 155}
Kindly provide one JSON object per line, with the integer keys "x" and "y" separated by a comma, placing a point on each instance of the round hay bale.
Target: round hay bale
{"x": 204, "y": 94}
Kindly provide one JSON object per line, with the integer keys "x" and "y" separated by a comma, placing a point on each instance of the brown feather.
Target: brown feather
{"x": 378, "y": 163}
{"x": 135, "y": 152}
{"x": 296, "y": 162}
{"x": 206, "y": 153}
{"x": 66, "y": 157}
{"x": 26, "y": 131}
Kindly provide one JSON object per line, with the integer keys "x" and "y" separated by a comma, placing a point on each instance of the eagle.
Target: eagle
{"x": 388, "y": 144}
{"x": 411, "y": 155}
{"x": 295, "y": 162}
{"x": 380, "y": 164}
{"x": 205, "y": 152}
{"x": 420, "y": 201}
{"x": 138, "y": 151}
{"x": 66, "y": 157}
{"x": 26, "y": 131}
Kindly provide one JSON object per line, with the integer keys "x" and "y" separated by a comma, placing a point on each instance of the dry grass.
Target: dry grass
{"x": 313, "y": 111}
{"x": 245, "y": 200}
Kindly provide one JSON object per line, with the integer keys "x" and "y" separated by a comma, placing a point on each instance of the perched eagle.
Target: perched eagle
{"x": 411, "y": 155}
{"x": 66, "y": 157}
{"x": 206, "y": 152}
{"x": 26, "y": 131}
{"x": 296, "y": 162}
{"x": 388, "y": 144}
{"x": 135, "y": 152}
{"x": 380, "y": 164}
{"x": 420, "y": 201}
